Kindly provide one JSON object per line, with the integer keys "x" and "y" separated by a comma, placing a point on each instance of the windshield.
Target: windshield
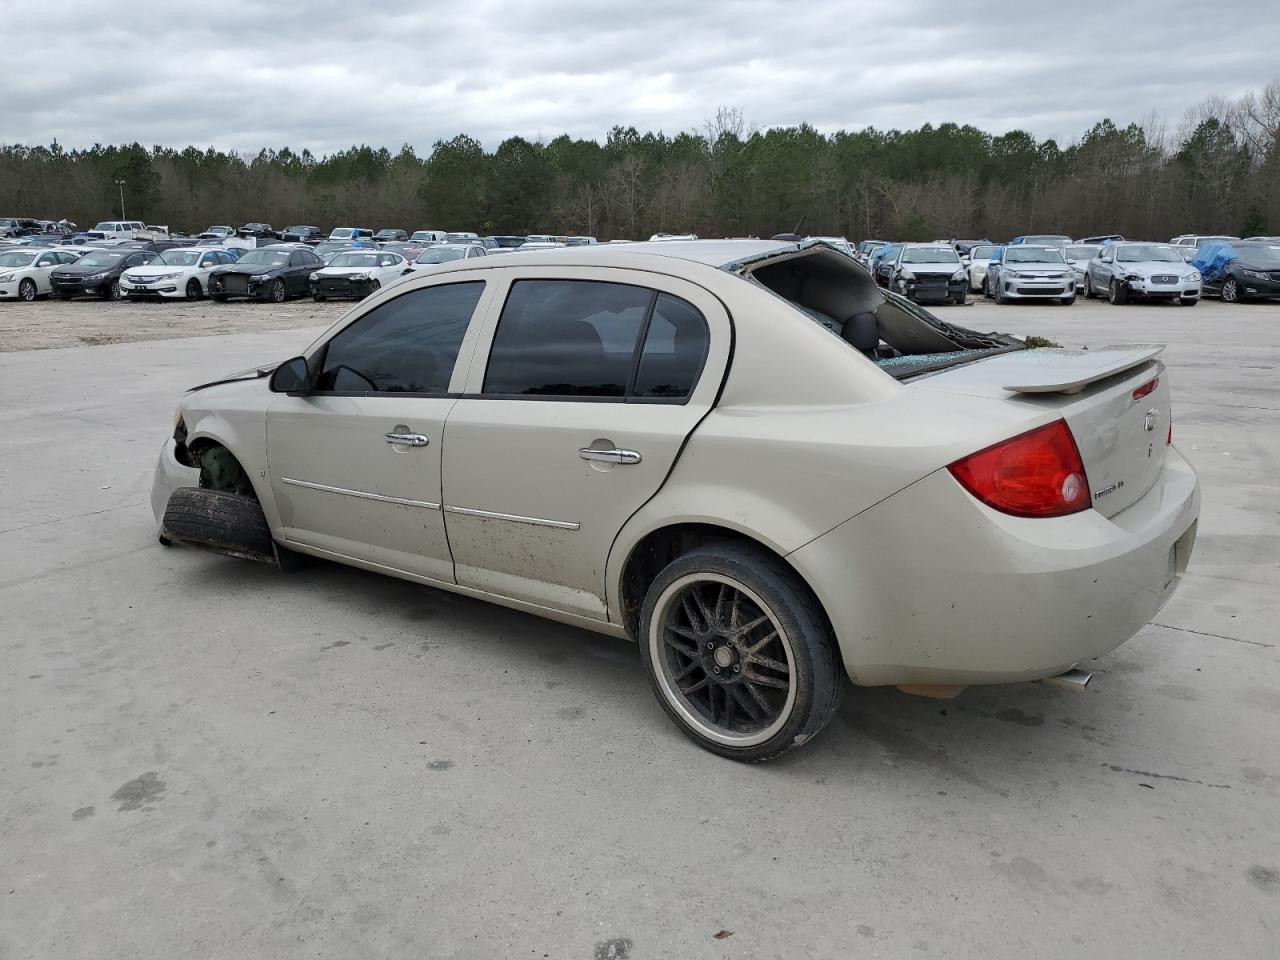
{"x": 105, "y": 227}
{"x": 178, "y": 258}
{"x": 1261, "y": 254}
{"x": 265, "y": 258}
{"x": 1085, "y": 252}
{"x": 1147, "y": 252}
{"x": 439, "y": 255}
{"x": 100, "y": 259}
{"x": 1201, "y": 241}
{"x": 422, "y": 235}
{"x": 929, "y": 255}
{"x": 342, "y": 232}
{"x": 299, "y": 229}
{"x": 1047, "y": 238}
{"x": 1032, "y": 255}
{"x": 354, "y": 260}
{"x": 985, "y": 252}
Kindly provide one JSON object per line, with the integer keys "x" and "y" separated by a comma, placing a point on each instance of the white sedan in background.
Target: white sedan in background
{"x": 357, "y": 273}
{"x": 977, "y": 260}
{"x": 24, "y": 271}
{"x": 447, "y": 253}
{"x": 177, "y": 272}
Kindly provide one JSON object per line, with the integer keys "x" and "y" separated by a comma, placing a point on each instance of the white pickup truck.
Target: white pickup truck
{"x": 127, "y": 230}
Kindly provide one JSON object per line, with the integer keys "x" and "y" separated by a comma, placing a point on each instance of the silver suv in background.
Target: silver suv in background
{"x": 1031, "y": 273}
{"x": 1156, "y": 271}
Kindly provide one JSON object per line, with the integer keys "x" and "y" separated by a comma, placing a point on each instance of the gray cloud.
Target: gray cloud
{"x": 324, "y": 74}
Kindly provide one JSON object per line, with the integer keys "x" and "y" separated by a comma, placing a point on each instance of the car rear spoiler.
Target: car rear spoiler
{"x": 1054, "y": 370}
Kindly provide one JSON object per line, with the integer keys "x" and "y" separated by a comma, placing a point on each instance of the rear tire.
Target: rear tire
{"x": 760, "y": 665}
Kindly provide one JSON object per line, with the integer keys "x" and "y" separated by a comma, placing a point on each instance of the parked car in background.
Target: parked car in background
{"x": 882, "y": 261}
{"x": 929, "y": 272}
{"x": 356, "y": 274}
{"x": 1240, "y": 271}
{"x": 327, "y": 248}
{"x": 406, "y": 248}
{"x": 1040, "y": 240}
{"x": 387, "y": 234}
{"x": 428, "y": 236}
{"x": 217, "y": 232}
{"x": 1124, "y": 271}
{"x": 446, "y": 253}
{"x": 302, "y": 234}
{"x": 1104, "y": 238}
{"x": 350, "y": 233}
{"x": 1199, "y": 240}
{"x": 769, "y": 511}
{"x": 97, "y": 273}
{"x": 180, "y": 272}
{"x": 543, "y": 238}
{"x": 1025, "y": 272}
{"x": 13, "y": 227}
{"x": 976, "y": 261}
{"x": 571, "y": 241}
{"x": 462, "y": 235}
{"x": 507, "y": 243}
{"x": 867, "y": 249}
{"x": 530, "y": 245}
{"x": 24, "y": 271}
{"x": 1079, "y": 255}
{"x": 258, "y": 231}
{"x": 118, "y": 230}
{"x": 962, "y": 247}
{"x": 265, "y": 274}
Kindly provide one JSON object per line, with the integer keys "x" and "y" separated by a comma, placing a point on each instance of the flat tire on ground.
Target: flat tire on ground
{"x": 739, "y": 652}
{"x": 1116, "y": 293}
{"x": 216, "y": 520}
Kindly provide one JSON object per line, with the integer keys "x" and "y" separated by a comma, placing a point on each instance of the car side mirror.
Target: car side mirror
{"x": 291, "y": 377}
{"x": 406, "y": 271}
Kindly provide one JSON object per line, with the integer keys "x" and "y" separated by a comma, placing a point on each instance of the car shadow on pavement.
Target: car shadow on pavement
{"x": 991, "y": 739}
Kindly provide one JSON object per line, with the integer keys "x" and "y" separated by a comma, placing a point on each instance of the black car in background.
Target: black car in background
{"x": 268, "y": 273}
{"x": 1254, "y": 274}
{"x": 97, "y": 273}
{"x": 302, "y": 234}
{"x": 259, "y": 231}
{"x": 387, "y": 234}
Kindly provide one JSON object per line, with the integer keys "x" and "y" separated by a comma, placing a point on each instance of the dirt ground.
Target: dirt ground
{"x": 46, "y": 324}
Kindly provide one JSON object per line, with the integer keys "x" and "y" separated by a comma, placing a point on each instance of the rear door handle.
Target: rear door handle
{"x": 615, "y": 455}
{"x": 408, "y": 439}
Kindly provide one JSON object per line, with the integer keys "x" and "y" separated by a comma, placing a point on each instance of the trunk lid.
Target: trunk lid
{"x": 1114, "y": 399}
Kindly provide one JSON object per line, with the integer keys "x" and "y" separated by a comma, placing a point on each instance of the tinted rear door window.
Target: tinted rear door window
{"x": 568, "y": 338}
{"x": 406, "y": 345}
{"x": 675, "y": 347}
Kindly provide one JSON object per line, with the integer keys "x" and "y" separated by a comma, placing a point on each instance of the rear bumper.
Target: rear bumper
{"x": 931, "y": 586}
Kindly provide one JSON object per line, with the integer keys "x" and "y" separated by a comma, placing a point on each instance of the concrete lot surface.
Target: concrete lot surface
{"x": 206, "y": 758}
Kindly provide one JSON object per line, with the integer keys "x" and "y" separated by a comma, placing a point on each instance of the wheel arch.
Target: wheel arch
{"x": 652, "y": 551}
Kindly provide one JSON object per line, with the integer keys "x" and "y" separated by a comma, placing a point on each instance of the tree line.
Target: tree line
{"x": 1217, "y": 172}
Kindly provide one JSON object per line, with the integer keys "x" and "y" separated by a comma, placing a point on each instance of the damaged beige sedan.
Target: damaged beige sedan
{"x": 743, "y": 455}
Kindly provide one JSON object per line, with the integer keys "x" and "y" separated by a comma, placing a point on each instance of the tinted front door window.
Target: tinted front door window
{"x": 406, "y": 345}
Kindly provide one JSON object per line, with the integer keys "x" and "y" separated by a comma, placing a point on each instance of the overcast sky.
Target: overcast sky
{"x": 324, "y": 74}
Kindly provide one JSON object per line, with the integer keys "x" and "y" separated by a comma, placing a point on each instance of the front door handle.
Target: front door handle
{"x": 408, "y": 439}
{"x": 615, "y": 455}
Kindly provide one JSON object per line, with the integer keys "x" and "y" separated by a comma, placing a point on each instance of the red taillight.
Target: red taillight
{"x": 1146, "y": 388}
{"x": 1035, "y": 474}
